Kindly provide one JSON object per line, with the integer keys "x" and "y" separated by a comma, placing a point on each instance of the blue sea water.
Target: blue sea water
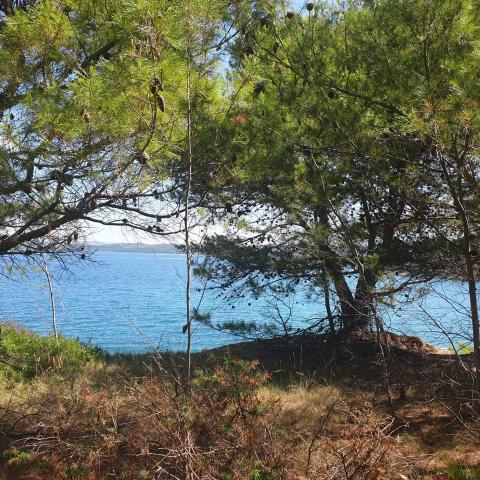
{"x": 133, "y": 302}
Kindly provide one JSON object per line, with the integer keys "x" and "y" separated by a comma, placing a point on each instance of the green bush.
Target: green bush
{"x": 459, "y": 472}
{"x": 14, "y": 456}
{"x": 24, "y": 354}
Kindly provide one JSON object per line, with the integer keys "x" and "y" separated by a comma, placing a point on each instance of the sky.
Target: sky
{"x": 105, "y": 234}
{"x": 108, "y": 235}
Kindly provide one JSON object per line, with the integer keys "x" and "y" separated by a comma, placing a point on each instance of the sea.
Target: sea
{"x": 135, "y": 302}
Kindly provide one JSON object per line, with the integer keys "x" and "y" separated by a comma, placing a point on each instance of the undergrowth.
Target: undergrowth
{"x": 25, "y": 355}
{"x": 64, "y": 415}
{"x": 461, "y": 472}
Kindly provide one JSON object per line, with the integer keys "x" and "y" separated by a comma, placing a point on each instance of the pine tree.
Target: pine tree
{"x": 93, "y": 108}
{"x": 329, "y": 145}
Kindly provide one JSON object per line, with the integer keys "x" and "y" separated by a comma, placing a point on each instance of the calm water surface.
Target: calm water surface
{"x": 125, "y": 301}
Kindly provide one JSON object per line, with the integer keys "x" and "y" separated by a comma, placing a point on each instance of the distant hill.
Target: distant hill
{"x": 133, "y": 247}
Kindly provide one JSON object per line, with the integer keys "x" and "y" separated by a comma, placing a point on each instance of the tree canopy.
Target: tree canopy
{"x": 335, "y": 141}
{"x": 332, "y": 143}
{"x": 93, "y": 116}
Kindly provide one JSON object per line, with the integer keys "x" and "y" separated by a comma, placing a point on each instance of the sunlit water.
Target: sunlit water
{"x": 132, "y": 302}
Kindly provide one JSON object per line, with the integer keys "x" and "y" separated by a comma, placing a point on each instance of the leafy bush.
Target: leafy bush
{"x": 463, "y": 348}
{"x": 14, "y": 456}
{"x": 459, "y": 472}
{"x": 24, "y": 355}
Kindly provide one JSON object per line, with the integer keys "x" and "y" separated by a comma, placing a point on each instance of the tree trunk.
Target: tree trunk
{"x": 326, "y": 295}
{"x": 458, "y": 200}
{"x": 472, "y": 292}
{"x": 52, "y": 296}
{"x": 344, "y": 294}
{"x": 333, "y": 268}
{"x": 186, "y": 219}
{"x": 364, "y": 300}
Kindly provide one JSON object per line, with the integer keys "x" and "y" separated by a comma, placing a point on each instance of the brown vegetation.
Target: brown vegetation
{"x": 320, "y": 411}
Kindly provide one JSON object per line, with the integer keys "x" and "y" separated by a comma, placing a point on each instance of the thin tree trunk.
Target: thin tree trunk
{"x": 186, "y": 224}
{"x": 326, "y": 295}
{"x": 458, "y": 200}
{"x": 472, "y": 292}
{"x": 52, "y": 296}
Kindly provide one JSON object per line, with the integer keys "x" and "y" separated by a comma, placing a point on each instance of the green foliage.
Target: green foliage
{"x": 24, "y": 355}
{"x": 460, "y": 472}
{"x": 242, "y": 327}
{"x": 83, "y": 126}
{"x": 15, "y": 456}
{"x": 330, "y": 153}
{"x": 237, "y": 379}
{"x": 464, "y": 348}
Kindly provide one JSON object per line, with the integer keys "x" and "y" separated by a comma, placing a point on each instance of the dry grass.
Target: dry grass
{"x": 236, "y": 423}
{"x": 301, "y": 407}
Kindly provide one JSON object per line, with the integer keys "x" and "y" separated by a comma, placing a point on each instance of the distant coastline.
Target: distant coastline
{"x": 133, "y": 247}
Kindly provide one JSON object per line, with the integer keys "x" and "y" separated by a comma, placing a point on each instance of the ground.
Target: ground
{"x": 339, "y": 407}
{"x": 423, "y": 388}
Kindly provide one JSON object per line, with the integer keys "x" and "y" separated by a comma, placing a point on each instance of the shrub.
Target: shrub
{"x": 24, "y": 355}
{"x": 221, "y": 428}
{"x": 14, "y": 456}
{"x": 459, "y": 472}
{"x": 151, "y": 428}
